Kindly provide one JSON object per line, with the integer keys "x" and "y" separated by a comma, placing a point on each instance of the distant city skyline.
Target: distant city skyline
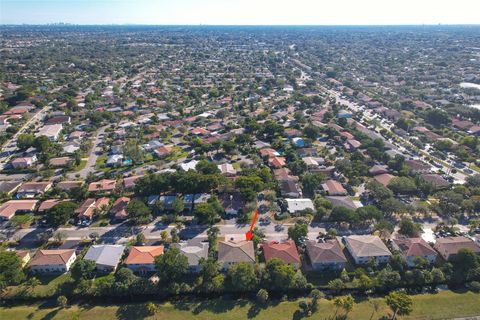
{"x": 240, "y": 12}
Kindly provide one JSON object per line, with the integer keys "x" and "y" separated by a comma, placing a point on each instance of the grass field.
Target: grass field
{"x": 444, "y": 305}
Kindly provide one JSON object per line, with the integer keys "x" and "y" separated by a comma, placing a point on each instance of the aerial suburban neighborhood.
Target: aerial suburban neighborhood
{"x": 270, "y": 164}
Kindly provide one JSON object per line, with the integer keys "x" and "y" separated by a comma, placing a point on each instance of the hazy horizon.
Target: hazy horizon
{"x": 240, "y": 12}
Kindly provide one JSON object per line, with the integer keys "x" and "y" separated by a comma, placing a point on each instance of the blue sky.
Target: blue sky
{"x": 241, "y": 12}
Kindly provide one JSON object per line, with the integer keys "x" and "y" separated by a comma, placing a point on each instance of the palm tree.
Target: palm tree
{"x": 32, "y": 283}
{"x": 375, "y": 306}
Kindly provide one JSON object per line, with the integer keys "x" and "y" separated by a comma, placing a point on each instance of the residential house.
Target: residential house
{"x": 89, "y": 207}
{"x": 269, "y": 152}
{"x": 232, "y": 203}
{"x": 163, "y": 151}
{"x": 384, "y": 178}
{"x": 227, "y": 169}
{"x": 283, "y": 174}
{"x": 311, "y": 162}
{"x": 71, "y": 147}
{"x": 378, "y": 169}
{"x": 106, "y": 256}
{"x": 119, "y": 208}
{"x": 129, "y": 182}
{"x": 363, "y": 248}
{"x": 60, "y": 162}
{"x": 23, "y": 162}
{"x": 142, "y": 259}
{"x": 49, "y": 203}
{"x": 52, "y": 261}
{"x": 334, "y": 188}
{"x": 417, "y": 166}
{"x": 343, "y": 201}
{"x": 290, "y": 189}
{"x": 296, "y": 205}
{"x": 325, "y": 255}
{"x": 475, "y": 130}
{"x": 193, "y": 253}
{"x": 191, "y": 165}
{"x": 411, "y": 248}
{"x": 60, "y": 119}
{"x": 33, "y": 189}
{"x": 12, "y": 207}
{"x": 448, "y": 247}
{"x": 103, "y": 186}
{"x": 232, "y": 252}
{"x": 9, "y": 187}
{"x": 285, "y": 251}
{"x": 277, "y": 162}
{"x": 114, "y": 160}
{"x": 76, "y": 135}
{"x": 352, "y": 145}
{"x": 52, "y": 132}
{"x": 344, "y": 114}
{"x": 24, "y": 256}
{"x": 68, "y": 185}
{"x": 438, "y": 182}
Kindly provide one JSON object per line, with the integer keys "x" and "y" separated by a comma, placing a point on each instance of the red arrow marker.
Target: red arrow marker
{"x": 249, "y": 234}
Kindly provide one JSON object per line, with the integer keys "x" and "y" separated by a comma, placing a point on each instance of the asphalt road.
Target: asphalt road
{"x": 92, "y": 158}
{"x": 35, "y": 120}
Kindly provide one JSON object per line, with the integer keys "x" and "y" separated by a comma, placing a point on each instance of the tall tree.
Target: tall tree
{"x": 298, "y": 233}
{"x": 400, "y": 303}
{"x": 242, "y": 277}
{"x": 61, "y": 213}
{"x": 11, "y": 270}
{"x": 138, "y": 212}
{"x": 171, "y": 266}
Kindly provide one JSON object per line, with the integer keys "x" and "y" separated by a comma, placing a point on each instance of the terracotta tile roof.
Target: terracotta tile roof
{"x": 143, "y": 255}
{"x": 51, "y": 257}
{"x": 38, "y": 187}
{"x": 102, "y": 185}
{"x": 334, "y": 187}
{"x": 451, "y": 245}
{"x": 50, "y": 203}
{"x": 286, "y": 251}
{"x": 119, "y": 208}
{"x": 436, "y": 180}
{"x": 325, "y": 252}
{"x": 129, "y": 182}
{"x": 9, "y": 208}
{"x": 269, "y": 152}
{"x": 277, "y": 162}
{"x": 347, "y": 135}
{"x": 61, "y": 161}
{"x": 384, "y": 178}
{"x": 163, "y": 151}
{"x": 414, "y": 247}
{"x": 87, "y": 207}
{"x": 66, "y": 185}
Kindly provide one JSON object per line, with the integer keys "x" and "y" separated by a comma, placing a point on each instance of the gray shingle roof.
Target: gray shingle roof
{"x": 108, "y": 255}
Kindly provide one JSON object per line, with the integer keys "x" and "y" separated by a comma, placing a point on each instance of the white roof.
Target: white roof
{"x": 295, "y": 205}
{"x": 189, "y": 165}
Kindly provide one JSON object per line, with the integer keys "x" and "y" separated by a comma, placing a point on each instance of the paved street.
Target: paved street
{"x": 10, "y": 146}
{"x": 458, "y": 176}
{"x": 92, "y": 159}
{"x": 123, "y": 232}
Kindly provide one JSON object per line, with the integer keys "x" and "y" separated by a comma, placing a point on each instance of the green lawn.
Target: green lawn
{"x": 81, "y": 166}
{"x": 101, "y": 160}
{"x": 47, "y": 288}
{"x": 444, "y": 305}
